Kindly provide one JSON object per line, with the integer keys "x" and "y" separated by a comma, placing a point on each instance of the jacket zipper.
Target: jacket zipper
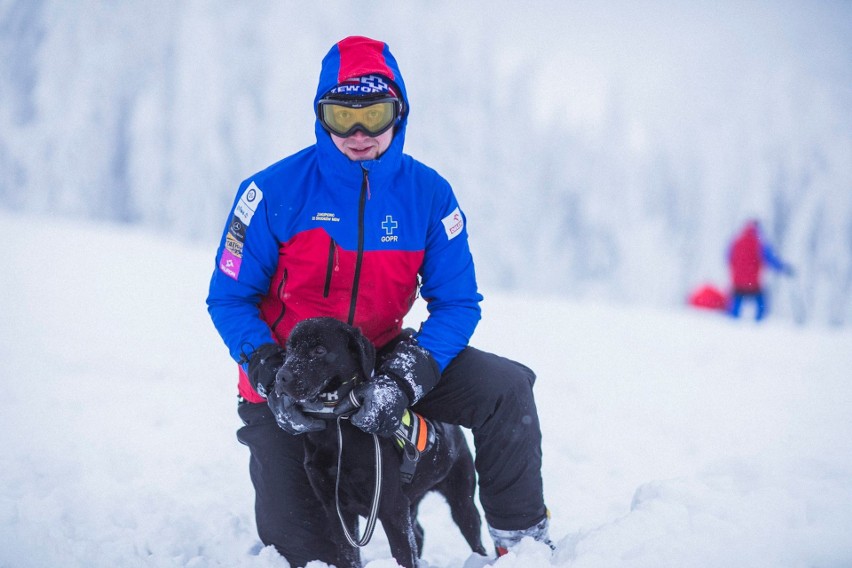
{"x": 329, "y": 268}
{"x": 283, "y": 303}
{"x": 362, "y": 204}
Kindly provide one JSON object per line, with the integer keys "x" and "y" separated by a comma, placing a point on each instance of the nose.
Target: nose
{"x": 359, "y": 135}
{"x": 290, "y": 384}
{"x": 283, "y": 375}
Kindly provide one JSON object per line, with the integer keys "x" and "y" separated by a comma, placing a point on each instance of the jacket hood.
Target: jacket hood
{"x": 751, "y": 230}
{"x": 352, "y": 57}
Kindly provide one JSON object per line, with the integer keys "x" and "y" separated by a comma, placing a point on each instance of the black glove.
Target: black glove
{"x": 407, "y": 374}
{"x": 263, "y": 367}
{"x": 412, "y": 367}
{"x": 288, "y": 415}
{"x": 382, "y": 404}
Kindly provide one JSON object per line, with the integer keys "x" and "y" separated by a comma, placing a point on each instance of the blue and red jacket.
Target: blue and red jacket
{"x": 317, "y": 234}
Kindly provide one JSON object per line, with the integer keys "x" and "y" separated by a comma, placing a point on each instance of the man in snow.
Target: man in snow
{"x": 351, "y": 228}
{"x": 747, "y": 255}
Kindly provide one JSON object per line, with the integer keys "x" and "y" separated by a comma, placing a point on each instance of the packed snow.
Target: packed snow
{"x": 671, "y": 438}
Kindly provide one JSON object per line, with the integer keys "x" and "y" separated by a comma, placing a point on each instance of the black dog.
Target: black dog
{"x": 325, "y": 358}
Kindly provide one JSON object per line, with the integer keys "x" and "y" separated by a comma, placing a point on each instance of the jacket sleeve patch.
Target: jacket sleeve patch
{"x": 230, "y": 264}
{"x": 248, "y": 203}
{"x": 232, "y": 255}
{"x": 453, "y": 224}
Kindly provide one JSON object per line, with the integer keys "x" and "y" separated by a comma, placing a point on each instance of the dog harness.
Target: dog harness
{"x": 414, "y": 435}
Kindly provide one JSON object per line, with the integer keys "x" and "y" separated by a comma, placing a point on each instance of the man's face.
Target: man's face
{"x": 359, "y": 146}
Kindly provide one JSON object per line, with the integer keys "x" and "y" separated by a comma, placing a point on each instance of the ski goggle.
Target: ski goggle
{"x": 343, "y": 117}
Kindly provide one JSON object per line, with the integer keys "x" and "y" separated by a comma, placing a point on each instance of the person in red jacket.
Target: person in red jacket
{"x": 353, "y": 228}
{"x": 748, "y": 254}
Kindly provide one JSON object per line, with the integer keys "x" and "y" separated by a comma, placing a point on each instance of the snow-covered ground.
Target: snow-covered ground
{"x": 670, "y": 438}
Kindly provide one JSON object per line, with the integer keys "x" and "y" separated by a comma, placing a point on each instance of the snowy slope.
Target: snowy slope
{"x": 670, "y": 438}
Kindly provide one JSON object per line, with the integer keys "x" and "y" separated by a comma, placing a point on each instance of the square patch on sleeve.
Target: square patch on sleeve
{"x": 453, "y": 223}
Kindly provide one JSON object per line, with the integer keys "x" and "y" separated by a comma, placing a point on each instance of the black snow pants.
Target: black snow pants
{"x": 489, "y": 394}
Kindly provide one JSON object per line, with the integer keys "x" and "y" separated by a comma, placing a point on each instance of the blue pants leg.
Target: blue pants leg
{"x": 760, "y": 303}
{"x": 736, "y": 304}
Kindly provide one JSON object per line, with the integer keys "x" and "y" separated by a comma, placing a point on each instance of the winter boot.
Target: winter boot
{"x": 504, "y": 540}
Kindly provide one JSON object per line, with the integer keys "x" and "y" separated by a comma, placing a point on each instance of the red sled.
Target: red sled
{"x": 708, "y": 297}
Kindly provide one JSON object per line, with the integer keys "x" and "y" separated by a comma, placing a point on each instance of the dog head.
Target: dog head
{"x": 325, "y": 358}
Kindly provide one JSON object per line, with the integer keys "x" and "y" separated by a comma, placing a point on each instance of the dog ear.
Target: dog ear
{"x": 364, "y": 351}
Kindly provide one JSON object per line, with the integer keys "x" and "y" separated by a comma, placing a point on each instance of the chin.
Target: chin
{"x": 363, "y": 157}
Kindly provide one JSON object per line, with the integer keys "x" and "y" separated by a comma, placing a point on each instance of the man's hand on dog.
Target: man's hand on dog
{"x": 406, "y": 374}
{"x": 263, "y": 367}
{"x": 382, "y": 404}
{"x": 287, "y": 413}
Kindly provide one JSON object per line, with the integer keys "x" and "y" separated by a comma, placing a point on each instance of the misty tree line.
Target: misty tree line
{"x": 151, "y": 126}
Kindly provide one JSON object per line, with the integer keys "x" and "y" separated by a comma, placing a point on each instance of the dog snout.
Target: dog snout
{"x": 292, "y": 385}
{"x": 286, "y": 382}
{"x": 284, "y": 376}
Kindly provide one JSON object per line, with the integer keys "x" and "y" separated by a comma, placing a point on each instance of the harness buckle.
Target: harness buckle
{"x": 414, "y": 436}
{"x": 408, "y": 466}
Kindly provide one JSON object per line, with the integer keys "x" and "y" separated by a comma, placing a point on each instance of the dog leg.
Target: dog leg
{"x": 419, "y": 533}
{"x": 395, "y": 515}
{"x": 348, "y": 556}
{"x": 402, "y": 540}
{"x": 458, "y": 489}
{"x": 320, "y": 466}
